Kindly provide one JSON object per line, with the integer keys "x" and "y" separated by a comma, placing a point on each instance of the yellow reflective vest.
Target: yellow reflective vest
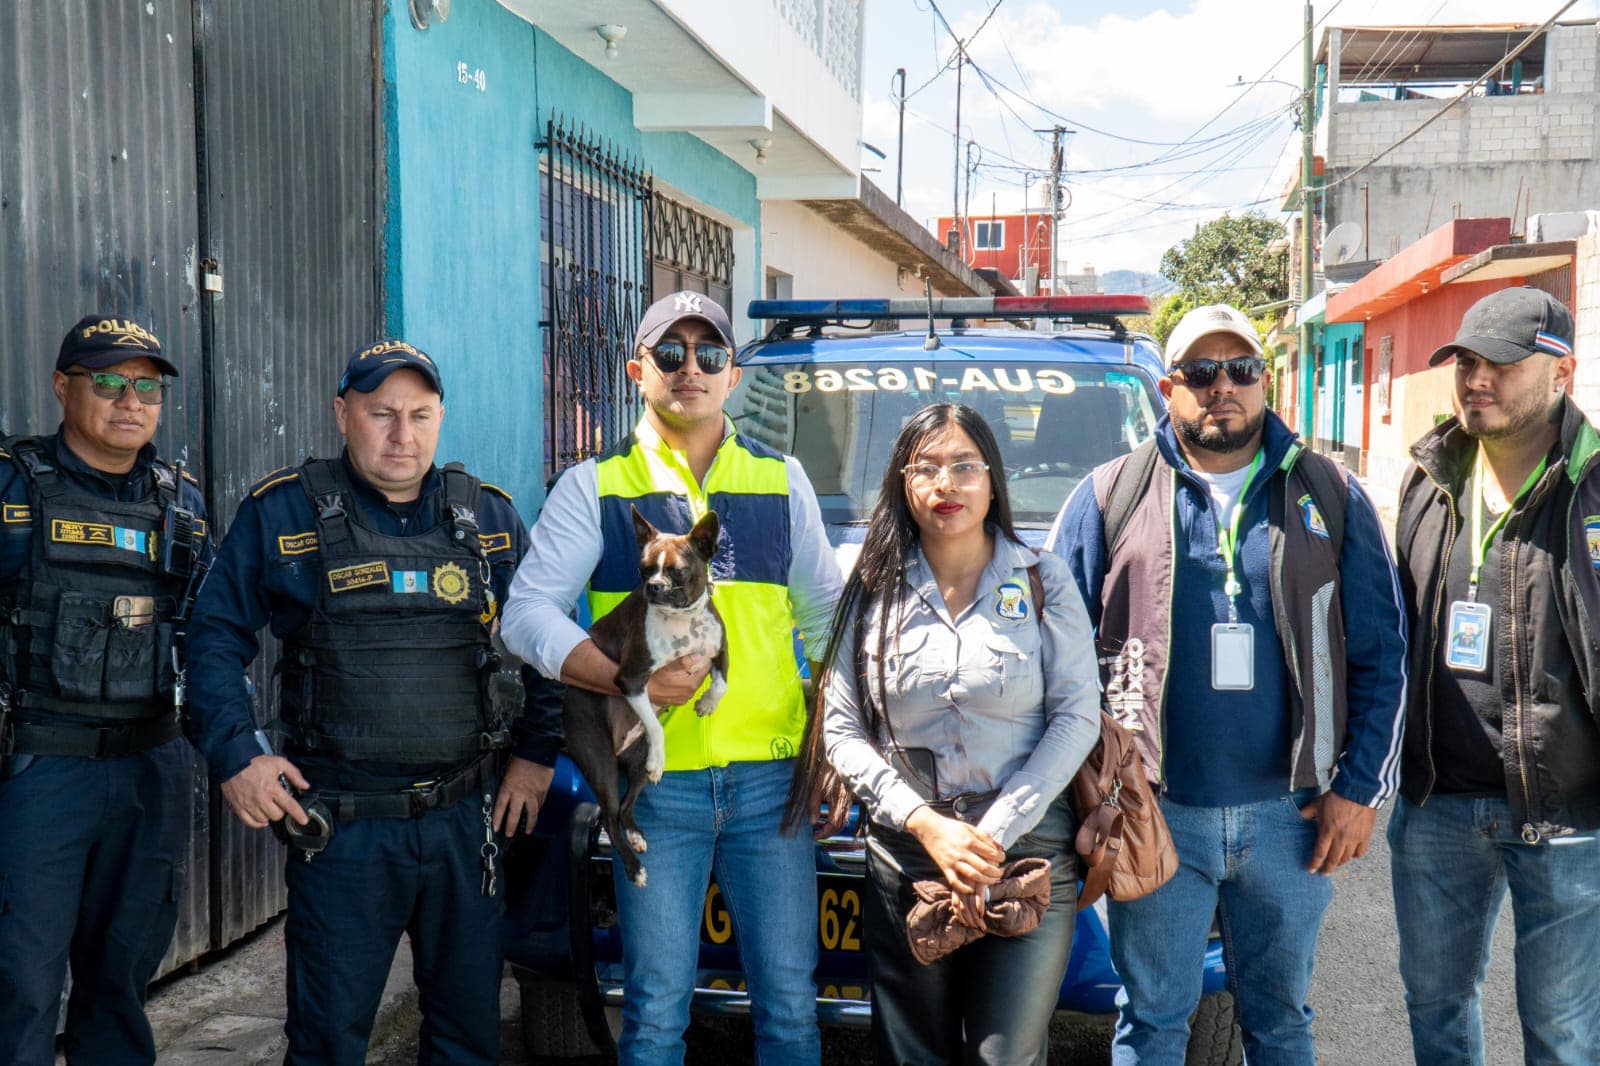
{"x": 762, "y": 716}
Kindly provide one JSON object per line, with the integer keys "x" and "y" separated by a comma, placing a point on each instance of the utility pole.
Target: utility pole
{"x": 1308, "y": 120}
{"x": 1054, "y": 199}
{"x": 955, "y": 182}
{"x": 900, "y": 142}
{"x": 966, "y": 198}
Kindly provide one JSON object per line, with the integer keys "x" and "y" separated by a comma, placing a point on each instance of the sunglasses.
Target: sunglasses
{"x": 669, "y": 356}
{"x": 1202, "y": 373}
{"x": 114, "y": 386}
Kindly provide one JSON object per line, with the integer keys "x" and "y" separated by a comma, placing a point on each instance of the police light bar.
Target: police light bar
{"x": 1098, "y": 305}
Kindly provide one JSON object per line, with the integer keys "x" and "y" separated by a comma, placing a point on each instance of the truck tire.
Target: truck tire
{"x": 1214, "y": 1034}
{"x": 552, "y": 1020}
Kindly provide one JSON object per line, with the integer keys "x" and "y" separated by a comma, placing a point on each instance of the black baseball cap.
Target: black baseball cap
{"x": 662, "y": 314}
{"x": 1510, "y": 325}
{"x": 368, "y": 367}
{"x": 103, "y": 339}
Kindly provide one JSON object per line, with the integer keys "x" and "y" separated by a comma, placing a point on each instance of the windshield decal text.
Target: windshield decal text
{"x": 972, "y": 379}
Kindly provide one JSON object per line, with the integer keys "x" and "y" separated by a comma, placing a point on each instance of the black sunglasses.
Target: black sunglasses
{"x": 669, "y": 356}
{"x": 110, "y": 386}
{"x": 1202, "y": 373}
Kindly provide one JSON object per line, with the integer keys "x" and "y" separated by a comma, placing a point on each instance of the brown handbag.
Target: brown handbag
{"x": 1124, "y": 846}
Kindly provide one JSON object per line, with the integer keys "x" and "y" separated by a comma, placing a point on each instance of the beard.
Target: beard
{"x": 1516, "y": 415}
{"x": 1215, "y": 438}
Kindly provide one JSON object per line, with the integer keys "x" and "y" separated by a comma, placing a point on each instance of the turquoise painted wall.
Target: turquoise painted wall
{"x": 1349, "y": 375}
{"x": 462, "y": 227}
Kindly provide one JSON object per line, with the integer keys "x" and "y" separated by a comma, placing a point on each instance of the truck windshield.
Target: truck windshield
{"x": 1054, "y": 422}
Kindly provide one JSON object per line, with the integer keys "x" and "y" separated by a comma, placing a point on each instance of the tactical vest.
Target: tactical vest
{"x": 90, "y": 622}
{"x": 762, "y": 716}
{"x": 395, "y": 662}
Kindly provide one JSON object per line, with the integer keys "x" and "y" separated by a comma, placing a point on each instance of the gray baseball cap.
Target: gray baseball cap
{"x": 678, "y": 306}
{"x": 1510, "y": 325}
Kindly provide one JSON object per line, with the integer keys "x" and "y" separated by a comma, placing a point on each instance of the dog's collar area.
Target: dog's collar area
{"x": 697, "y": 605}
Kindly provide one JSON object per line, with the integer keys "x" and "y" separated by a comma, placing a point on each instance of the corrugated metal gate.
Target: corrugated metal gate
{"x": 119, "y": 177}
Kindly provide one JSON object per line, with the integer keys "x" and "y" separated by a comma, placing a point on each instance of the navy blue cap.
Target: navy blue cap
{"x": 672, "y": 308}
{"x": 368, "y": 368}
{"x": 100, "y": 340}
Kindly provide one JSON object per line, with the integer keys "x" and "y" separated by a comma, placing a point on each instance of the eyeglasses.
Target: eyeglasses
{"x": 669, "y": 356}
{"x": 961, "y": 475}
{"x": 1202, "y": 373}
{"x": 114, "y": 386}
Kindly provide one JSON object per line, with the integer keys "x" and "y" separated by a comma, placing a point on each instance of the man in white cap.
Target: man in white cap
{"x": 1219, "y": 562}
{"x": 720, "y": 804}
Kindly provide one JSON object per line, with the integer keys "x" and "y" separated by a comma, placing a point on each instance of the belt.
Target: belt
{"x": 412, "y": 802}
{"x": 89, "y": 741}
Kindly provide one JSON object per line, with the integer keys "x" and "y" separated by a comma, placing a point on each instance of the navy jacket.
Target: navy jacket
{"x": 254, "y": 583}
{"x": 1368, "y": 768}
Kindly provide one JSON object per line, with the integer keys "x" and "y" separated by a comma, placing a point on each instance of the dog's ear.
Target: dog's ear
{"x": 704, "y": 535}
{"x": 643, "y": 531}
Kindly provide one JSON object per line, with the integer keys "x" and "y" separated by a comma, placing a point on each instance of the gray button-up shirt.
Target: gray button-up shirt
{"x": 1006, "y": 697}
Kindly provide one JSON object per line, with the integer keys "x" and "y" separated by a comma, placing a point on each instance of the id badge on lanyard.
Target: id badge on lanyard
{"x": 1233, "y": 643}
{"x": 1468, "y": 623}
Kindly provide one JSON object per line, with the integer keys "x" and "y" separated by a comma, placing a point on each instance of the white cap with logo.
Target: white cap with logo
{"x": 1203, "y": 321}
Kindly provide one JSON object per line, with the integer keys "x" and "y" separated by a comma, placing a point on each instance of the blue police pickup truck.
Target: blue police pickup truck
{"x": 1065, "y": 387}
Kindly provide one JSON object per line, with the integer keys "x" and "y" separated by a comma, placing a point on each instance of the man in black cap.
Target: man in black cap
{"x": 1499, "y": 548}
{"x": 101, "y": 547}
{"x": 383, "y": 576}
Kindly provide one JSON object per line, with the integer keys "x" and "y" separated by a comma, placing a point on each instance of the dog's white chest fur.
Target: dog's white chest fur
{"x": 671, "y": 633}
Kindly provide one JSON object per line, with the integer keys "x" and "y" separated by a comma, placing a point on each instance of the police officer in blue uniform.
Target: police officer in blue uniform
{"x": 101, "y": 546}
{"x": 383, "y": 576}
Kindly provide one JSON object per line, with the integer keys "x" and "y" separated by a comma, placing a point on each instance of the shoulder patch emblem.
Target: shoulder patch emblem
{"x": 495, "y": 542}
{"x": 15, "y": 513}
{"x": 450, "y": 583}
{"x": 297, "y": 543}
{"x": 1591, "y": 530}
{"x": 497, "y": 490}
{"x": 358, "y": 576}
{"x": 277, "y": 477}
{"x": 1010, "y": 602}
{"x": 1313, "y": 517}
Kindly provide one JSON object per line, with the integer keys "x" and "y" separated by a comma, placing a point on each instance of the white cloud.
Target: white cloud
{"x": 1154, "y": 74}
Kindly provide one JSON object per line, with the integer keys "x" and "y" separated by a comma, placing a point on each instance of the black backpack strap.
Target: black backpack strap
{"x": 321, "y": 486}
{"x": 1128, "y": 488}
{"x": 165, "y": 480}
{"x": 1330, "y": 490}
{"x": 42, "y": 473}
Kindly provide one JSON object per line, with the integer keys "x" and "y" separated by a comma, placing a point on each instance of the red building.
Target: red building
{"x": 1010, "y": 244}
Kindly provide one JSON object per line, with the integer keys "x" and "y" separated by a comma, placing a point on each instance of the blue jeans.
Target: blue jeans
{"x": 724, "y": 819}
{"x": 1249, "y": 863}
{"x": 1453, "y": 860}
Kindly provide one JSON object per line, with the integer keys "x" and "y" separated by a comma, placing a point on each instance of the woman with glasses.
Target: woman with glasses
{"x": 957, "y": 707}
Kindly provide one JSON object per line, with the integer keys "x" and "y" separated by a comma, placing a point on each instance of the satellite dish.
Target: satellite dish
{"x": 1342, "y": 243}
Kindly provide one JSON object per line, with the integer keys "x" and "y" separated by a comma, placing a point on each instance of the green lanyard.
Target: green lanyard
{"x": 1228, "y": 539}
{"x": 1480, "y": 539}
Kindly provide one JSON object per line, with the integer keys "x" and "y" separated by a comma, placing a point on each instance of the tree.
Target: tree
{"x": 1227, "y": 261}
{"x": 1164, "y": 318}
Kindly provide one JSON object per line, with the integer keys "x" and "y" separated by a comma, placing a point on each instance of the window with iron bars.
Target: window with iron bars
{"x": 595, "y": 252}
{"x": 692, "y": 251}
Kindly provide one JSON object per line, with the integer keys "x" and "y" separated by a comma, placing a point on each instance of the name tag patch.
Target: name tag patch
{"x": 14, "y": 513}
{"x": 100, "y": 534}
{"x": 358, "y": 576}
{"x": 406, "y": 581}
{"x": 297, "y": 543}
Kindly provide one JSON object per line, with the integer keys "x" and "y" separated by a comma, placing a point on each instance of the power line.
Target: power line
{"x": 1479, "y": 80}
{"x": 960, "y": 45}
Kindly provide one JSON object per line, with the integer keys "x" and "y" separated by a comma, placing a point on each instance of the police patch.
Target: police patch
{"x": 297, "y": 543}
{"x": 450, "y": 583}
{"x": 495, "y": 542}
{"x": 63, "y": 531}
{"x": 1010, "y": 602}
{"x": 358, "y": 576}
{"x": 1312, "y": 516}
{"x": 1591, "y": 530}
{"x": 409, "y": 581}
{"x": 14, "y": 513}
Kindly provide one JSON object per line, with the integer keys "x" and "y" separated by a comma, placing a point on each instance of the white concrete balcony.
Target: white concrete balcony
{"x": 785, "y": 74}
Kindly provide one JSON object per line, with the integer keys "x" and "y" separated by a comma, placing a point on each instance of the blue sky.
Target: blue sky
{"x": 1142, "y": 69}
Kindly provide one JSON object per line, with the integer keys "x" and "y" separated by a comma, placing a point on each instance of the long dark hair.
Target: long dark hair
{"x": 892, "y": 536}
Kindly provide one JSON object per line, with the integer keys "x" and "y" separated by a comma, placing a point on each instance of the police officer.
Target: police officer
{"x": 383, "y": 576}
{"x": 101, "y": 544}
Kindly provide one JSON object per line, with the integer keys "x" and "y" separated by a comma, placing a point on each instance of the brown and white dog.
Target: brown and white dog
{"x": 668, "y": 616}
